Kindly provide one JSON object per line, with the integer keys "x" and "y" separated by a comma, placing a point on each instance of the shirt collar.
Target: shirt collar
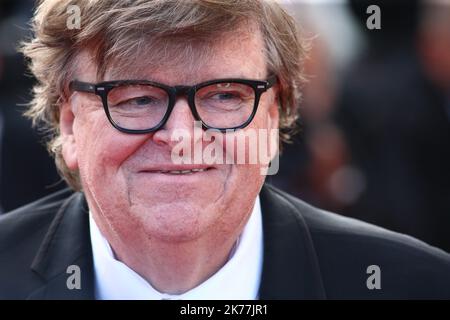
{"x": 238, "y": 279}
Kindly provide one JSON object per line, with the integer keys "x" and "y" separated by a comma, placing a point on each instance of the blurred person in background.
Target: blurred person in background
{"x": 312, "y": 165}
{"x": 26, "y": 170}
{"x": 394, "y": 109}
{"x": 374, "y": 133}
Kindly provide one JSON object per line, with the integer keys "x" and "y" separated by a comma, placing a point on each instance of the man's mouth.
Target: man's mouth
{"x": 177, "y": 170}
{"x": 191, "y": 171}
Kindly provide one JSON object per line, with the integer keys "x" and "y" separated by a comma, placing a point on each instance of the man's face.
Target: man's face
{"x": 120, "y": 173}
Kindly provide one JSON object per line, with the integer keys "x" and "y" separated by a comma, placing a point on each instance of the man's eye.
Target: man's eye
{"x": 224, "y": 96}
{"x": 138, "y": 101}
{"x": 142, "y": 100}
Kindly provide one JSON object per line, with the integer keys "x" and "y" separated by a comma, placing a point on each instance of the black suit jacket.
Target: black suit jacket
{"x": 308, "y": 253}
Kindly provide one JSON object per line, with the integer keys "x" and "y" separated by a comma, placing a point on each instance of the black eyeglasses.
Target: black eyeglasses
{"x": 140, "y": 106}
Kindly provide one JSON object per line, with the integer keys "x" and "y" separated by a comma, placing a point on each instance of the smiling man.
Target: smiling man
{"x": 136, "y": 224}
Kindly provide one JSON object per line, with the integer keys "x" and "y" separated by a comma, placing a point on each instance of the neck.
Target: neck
{"x": 179, "y": 268}
{"x": 173, "y": 267}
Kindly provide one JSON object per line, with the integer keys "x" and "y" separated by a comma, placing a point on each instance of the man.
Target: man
{"x": 117, "y": 94}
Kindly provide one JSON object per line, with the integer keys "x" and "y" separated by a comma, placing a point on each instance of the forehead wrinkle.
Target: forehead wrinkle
{"x": 183, "y": 72}
{"x": 187, "y": 61}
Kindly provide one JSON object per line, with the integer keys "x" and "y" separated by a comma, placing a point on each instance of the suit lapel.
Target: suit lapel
{"x": 66, "y": 243}
{"x": 290, "y": 268}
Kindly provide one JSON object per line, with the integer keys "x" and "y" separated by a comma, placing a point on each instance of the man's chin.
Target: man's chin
{"x": 173, "y": 234}
{"x": 199, "y": 192}
{"x": 174, "y": 222}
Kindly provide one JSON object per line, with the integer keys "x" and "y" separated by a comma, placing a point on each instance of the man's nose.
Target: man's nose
{"x": 180, "y": 121}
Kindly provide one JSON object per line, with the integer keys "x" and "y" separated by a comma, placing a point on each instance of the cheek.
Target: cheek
{"x": 259, "y": 150}
{"x": 102, "y": 150}
{"x": 254, "y": 145}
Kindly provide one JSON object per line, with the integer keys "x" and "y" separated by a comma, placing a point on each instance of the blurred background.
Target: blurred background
{"x": 375, "y": 117}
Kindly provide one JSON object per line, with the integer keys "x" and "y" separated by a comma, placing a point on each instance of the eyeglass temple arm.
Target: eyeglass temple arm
{"x": 272, "y": 80}
{"x": 82, "y": 86}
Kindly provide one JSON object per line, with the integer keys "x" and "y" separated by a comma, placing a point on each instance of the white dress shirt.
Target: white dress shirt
{"x": 238, "y": 279}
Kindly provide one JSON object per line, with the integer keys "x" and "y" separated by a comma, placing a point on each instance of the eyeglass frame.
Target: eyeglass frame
{"x": 103, "y": 88}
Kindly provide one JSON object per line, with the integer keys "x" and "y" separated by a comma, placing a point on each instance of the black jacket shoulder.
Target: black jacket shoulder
{"x": 29, "y": 236}
{"x": 30, "y": 221}
{"x": 348, "y": 251}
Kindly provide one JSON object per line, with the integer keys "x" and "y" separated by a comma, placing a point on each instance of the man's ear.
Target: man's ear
{"x": 273, "y": 126}
{"x": 274, "y": 109}
{"x": 68, "y": 142}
